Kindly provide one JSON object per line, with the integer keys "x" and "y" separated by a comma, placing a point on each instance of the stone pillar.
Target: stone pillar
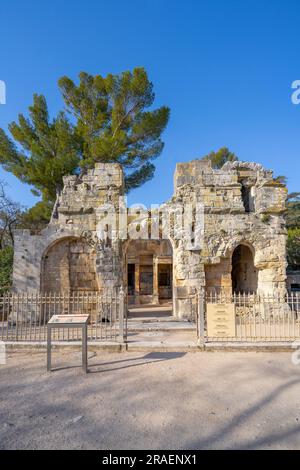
{"x": 137, "y": 283}
{"x": 188, "y": 277}
{"x": 155, "y": 297}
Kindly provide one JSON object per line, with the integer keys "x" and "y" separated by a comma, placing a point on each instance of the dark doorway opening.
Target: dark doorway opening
{"x": 244, "y": 275}
{"x": 146, "y": 279}
{"x": 165, "y": 281}
{"x": 295, "y": 287}
{"x": 149, "y": 273}
{"x": 131, "y": 279}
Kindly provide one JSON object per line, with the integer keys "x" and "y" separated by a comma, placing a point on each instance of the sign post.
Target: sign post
{"x": 68, "y": 321}
{"x": 201, "y": 323}
{"x": 221, "y": 320}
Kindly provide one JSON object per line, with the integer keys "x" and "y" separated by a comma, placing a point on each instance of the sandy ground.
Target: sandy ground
{"x": 168, "y": 400}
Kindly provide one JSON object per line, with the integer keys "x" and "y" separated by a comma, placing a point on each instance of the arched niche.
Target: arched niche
{"x": 244, "y": 275}
{"x": 69, "y": 265}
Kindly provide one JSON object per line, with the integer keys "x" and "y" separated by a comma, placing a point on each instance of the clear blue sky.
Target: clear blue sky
{"x": 225, "y": 68}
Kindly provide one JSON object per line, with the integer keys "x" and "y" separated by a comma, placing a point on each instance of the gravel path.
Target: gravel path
{"x": 168, "y": 400}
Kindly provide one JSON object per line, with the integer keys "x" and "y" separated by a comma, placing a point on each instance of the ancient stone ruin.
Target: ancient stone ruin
{"x": 239, "y": 246}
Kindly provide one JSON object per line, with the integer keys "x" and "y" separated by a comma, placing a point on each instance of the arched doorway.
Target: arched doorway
{"x": 149, "y": 272}
{"x": 244, "y": 274}
{"x": 69, "y": 265}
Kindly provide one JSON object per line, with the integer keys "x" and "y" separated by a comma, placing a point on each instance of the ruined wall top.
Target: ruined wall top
{"x": 200, "y": 172}
{"x": 99, "y": 177}
{"x": 82, "y": 194}
{"x": 226, "y": 188}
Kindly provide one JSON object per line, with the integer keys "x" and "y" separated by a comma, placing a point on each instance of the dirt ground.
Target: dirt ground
{"x": 230, "y": 400}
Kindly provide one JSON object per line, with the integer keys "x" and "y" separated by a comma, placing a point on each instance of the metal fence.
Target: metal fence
{"x": 248, "y": 317}
{"x": 24, "y": 317}
{"x": 239, "y": 318}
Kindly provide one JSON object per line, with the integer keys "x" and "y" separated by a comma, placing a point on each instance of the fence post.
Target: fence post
{"x": 200, "y": 298}
{"x": 121, "y": 314}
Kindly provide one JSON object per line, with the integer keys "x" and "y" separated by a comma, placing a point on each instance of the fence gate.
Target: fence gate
{"x": 248, "y": 318}
{"x": 24, "y": 317}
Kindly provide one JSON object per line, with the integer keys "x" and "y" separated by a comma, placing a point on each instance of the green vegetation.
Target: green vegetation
{"x": 293, "y": 248}
{"x": 113, "y": 124}
{"x": 37, "y": 217}
{"x": 6, "y": 265}
{"x": 10, "y": 217}
{"x": 293, "y": 226}
{"x": 219, "y": 158}
{"x": 293, "y": 210}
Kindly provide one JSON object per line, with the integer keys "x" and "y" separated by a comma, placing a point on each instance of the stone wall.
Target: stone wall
{"x": 68, "y": 253}
{"x": 242, "y": 205}
{"x": 230, "y": 221}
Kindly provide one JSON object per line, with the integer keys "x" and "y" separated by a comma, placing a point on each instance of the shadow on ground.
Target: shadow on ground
{"x": 154, "y": 401}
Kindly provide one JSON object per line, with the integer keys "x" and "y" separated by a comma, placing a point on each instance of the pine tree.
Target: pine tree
{"x": 219, "y": 158}
{"x": 109, "y": 121}
{"x": 113, "y": 124}
{"x": 42, "y": 150}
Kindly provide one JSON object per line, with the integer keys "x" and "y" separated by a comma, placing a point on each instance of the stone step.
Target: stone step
{"x": 158, "y": 346}
{"x": 153, "y": 319}
{"x": 160, "y": 326}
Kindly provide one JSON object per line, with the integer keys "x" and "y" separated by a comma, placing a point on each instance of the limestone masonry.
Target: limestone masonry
{"x": 242, "y": 249}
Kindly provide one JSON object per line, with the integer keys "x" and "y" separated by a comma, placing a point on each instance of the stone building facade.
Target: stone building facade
{"x": 239, "y": 246}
